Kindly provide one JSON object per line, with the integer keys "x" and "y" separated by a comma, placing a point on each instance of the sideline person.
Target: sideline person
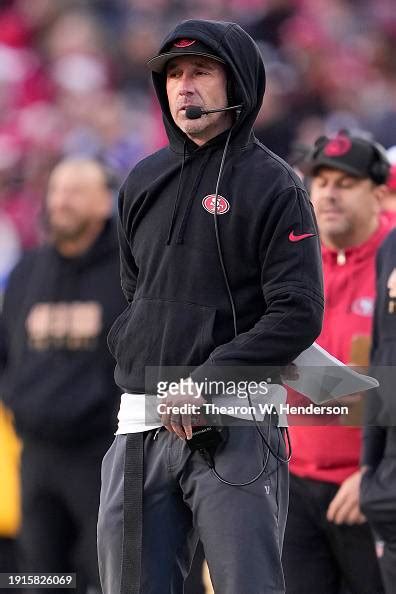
{"x": 221, "y": 267}
{"x": 56, "y": 373}
{"x": 328, "y": 541}
{"x": 378, "y": 485}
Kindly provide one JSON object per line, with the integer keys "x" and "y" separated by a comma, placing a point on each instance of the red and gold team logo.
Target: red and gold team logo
{"x": 223, "y": 205}
{"x": 338, "y": 146}
{"x": 184, "y": 42}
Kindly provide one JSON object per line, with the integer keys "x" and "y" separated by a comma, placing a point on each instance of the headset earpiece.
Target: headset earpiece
{"x": 381, "y": 166}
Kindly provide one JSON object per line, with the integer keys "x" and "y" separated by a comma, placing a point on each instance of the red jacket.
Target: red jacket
{"x": 331, "y": 453}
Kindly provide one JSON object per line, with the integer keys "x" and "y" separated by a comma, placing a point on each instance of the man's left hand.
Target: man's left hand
{"x": 345, "y": 508}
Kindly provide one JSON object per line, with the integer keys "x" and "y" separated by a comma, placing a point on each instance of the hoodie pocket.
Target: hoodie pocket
{"x": 162, "y": 332}
{"x": 117, "y": 325}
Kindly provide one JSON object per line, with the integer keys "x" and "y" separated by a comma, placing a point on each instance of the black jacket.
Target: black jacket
{"x": 378, "y": 485}
{"x": 379, "y": 436}
{"x": 55, "y": 369}
{"x": 179, "y": 311}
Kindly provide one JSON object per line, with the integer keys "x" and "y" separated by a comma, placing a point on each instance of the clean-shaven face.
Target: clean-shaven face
{"x": 200, "y": 81}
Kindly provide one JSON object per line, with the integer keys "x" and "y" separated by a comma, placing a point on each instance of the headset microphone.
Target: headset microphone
{"x": 194, "y": 112}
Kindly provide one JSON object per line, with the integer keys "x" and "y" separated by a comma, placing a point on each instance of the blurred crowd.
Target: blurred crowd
{"x": 73, "y": 80}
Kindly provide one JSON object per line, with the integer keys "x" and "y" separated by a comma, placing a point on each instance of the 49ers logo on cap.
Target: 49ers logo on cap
{"x": 223, "y": 205}
{"x": 337, "y": 146}
{"x": 183, "y": 42}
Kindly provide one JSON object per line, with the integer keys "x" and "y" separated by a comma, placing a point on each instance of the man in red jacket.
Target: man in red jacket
{"x": 328, "y": 544}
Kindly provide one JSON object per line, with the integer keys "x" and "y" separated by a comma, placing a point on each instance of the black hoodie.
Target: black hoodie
{"x": 179, "y": 311}
{"x": 55, "y": 368}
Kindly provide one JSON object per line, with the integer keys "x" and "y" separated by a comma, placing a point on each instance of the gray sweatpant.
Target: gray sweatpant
{"x": 241, "y": 528}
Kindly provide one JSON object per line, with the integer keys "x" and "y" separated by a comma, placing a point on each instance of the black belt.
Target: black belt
{"x": 133, "y": 515}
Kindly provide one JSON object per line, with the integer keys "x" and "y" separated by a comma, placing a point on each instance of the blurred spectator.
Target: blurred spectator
{"x": 139, "y": 41}
{"x": 276, "y": 125}
{"x": 266, "y": 27}
{"x": 328, "y": 544}
{"x": 57, "y": 374}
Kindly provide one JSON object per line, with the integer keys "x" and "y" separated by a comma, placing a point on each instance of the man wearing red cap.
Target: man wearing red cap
{"x": 328, "y": 542}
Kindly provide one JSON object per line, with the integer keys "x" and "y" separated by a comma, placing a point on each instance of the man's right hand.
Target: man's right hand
{"x": 345, "y": 507}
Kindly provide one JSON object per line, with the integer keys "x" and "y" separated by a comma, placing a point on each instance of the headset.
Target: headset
{"x": 381, "y": 166}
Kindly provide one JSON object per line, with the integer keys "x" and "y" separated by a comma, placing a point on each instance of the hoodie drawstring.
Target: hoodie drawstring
{"x": 177, "y": 199}
{"x": 217, "y": 233}
{"x": 194, "y": 188}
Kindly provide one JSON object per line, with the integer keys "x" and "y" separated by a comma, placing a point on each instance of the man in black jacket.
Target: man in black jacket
{"x": 378, "y": 485}
{"x": 220, "y": 263}
{"x": 56, "y": 372}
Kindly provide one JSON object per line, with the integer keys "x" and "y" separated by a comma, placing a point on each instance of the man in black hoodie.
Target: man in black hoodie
{"x": 220, "y": 263}
{"x": 56, "y": 372}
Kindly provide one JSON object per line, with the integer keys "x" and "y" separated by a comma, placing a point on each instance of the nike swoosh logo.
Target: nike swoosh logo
{"x": 295, "y": 238}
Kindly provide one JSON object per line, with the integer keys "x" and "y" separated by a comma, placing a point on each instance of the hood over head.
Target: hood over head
{"x": 243, "y": 60}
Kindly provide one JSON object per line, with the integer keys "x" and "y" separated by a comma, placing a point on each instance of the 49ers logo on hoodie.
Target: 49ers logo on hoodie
{"x": 223, "y": 205}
